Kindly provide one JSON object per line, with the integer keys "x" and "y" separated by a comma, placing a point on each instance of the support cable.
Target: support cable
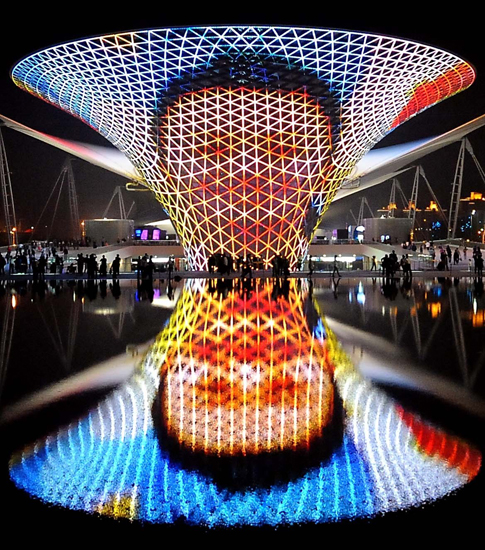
{"x": 6, "y": 341}
{"x": 121, "y": 203}
{"x": 433, "y": 195}
{"x": 416, "y": 328}
{"x": 475, "y": 160}
{"x": 360, "y": 218}
{"x": 392, "y": 199}
{"x": 434, "y": 330}
{"x": 353, "y": 216}
{"x": 129, "y": 211}
{"x": 459, "y": 336}
{"x": 55, "y": 207}
{"x": 413, "y": 202}
{"x": 404, "y": 199}
{"x": 46, "y": 204}
{"x": 7, "y": 193}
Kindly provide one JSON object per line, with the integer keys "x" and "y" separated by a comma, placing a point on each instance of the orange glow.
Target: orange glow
{"x": 432, "y": 206}
{"x": 478, "y": 318}
{"x": 435, "y": 442}
{"x": 430, "y": 92}
{"x": 243, "y": 181}
{"x": 435, "y": 309}
{"x": 265, "y": 385}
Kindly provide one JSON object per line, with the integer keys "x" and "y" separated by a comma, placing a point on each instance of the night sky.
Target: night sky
{"x": 35, "y": 167}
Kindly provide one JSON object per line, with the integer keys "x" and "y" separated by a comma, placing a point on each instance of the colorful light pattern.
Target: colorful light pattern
{"x": 246, "y": 376}
{"x": 430, "y": 92}
{"x": 113, "y": 461}
{"x": 224, "y": 186}
{"x": 244, "y": 177}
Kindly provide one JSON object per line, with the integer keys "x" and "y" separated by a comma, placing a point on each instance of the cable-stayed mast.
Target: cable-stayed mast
{"x": 73, "y": 204}
{"x": 7, "y": 194}
{"x": 121, "y": 203}
{"x": 66, "y": 176}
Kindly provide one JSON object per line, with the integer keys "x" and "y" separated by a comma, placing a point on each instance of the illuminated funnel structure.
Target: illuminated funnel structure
{"x": 213, "y": 371}
{"x": 246, "y": 143}
{"x": 244, "y": 375}
{"x": 243, "y": 133}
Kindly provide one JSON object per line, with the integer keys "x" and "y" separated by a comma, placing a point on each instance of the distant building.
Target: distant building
{"x": 108, "y": 230}
{"x": 471, "y": 217}
{"x": 392, "y": 230}
{"x": 430, "y": 223}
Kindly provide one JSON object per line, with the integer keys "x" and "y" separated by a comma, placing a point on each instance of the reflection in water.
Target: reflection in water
{"x": 245, "y": 375}
{"x": 6, "y": 338}
{"x": 239, "y": 381}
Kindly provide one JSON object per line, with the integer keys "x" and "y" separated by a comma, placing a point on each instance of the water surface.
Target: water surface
{"x": 246, "y": 411}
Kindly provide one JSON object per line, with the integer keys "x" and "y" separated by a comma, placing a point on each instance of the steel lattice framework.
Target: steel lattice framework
{"x": 228, "y": 125}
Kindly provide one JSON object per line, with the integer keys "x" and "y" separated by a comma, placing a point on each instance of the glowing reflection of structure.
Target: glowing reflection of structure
{"x": 115, "y": 461}
{"x": 6, "y": 338}
{"x": 244, "y": 134}
{"x": 245, "y": 376}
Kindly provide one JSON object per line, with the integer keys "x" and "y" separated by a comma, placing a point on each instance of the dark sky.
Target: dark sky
{"x": 35, "y": 166}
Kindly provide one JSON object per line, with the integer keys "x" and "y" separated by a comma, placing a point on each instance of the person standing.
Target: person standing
{"x": 335, "y": 267}
{"x": 80, "y": 264}
{"x": 103, "y": 266}
{"x": 448, "y": 253}
{"x": 406, "y": 268}
{"x": 150, "y": 268}
{"x": 115, "y": 266}
{"x": 479, "y": 266}
{"x": 171, "y": 265}
{"x": 444, "y": 259}
{"x": 41, "y": 266}
{"x": 456, "y": 256}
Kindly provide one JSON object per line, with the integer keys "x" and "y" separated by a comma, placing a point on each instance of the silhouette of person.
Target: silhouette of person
{"x": 103, "y": 266}
{"x": 115, "y": 266}
{"x": 335, "y": 266}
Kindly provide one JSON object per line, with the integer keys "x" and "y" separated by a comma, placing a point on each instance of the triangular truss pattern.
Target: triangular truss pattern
{"x": 114, "y": 83}
{"x": 243, "y": 165}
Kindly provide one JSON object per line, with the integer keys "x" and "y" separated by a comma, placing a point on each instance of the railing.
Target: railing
{"x": 168, "y": 242}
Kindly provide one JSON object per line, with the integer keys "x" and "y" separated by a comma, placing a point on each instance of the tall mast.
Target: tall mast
{"x": 7, "y": 194}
